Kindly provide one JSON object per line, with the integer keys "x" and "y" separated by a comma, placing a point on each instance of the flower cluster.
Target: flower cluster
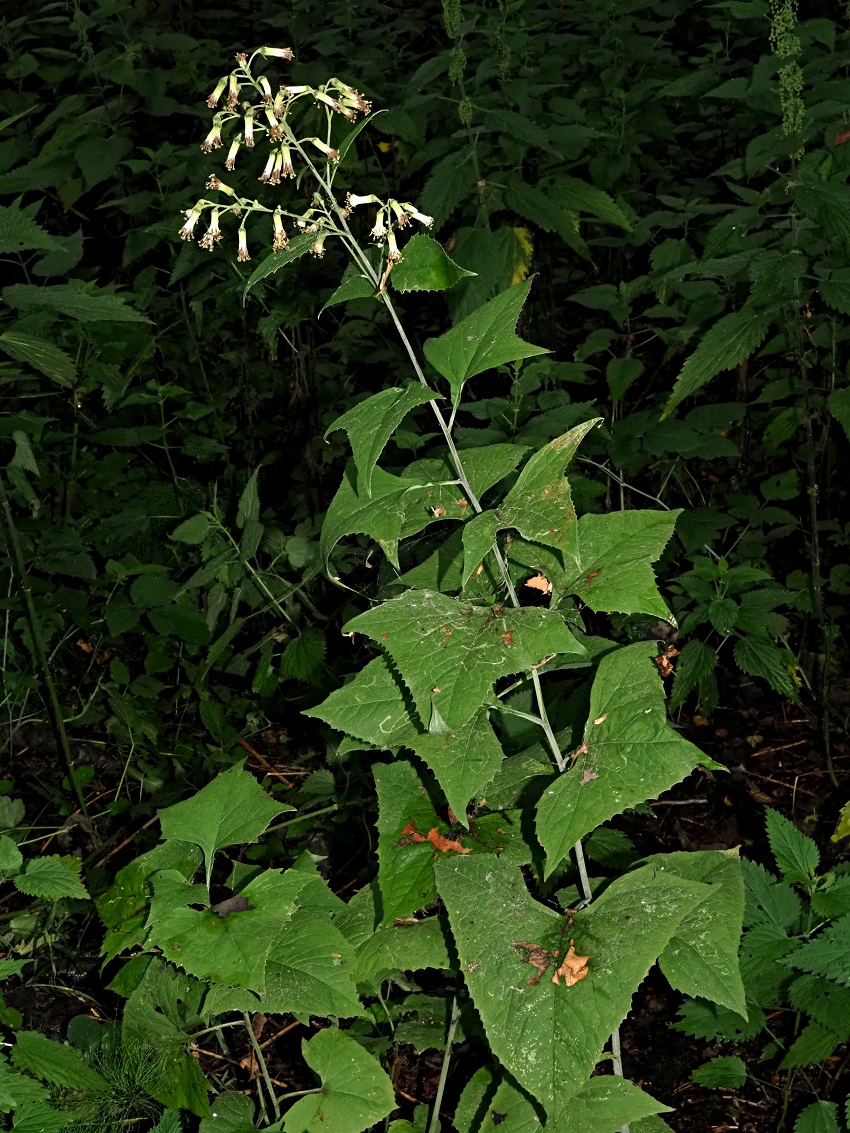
{"x": 390, "y": 215}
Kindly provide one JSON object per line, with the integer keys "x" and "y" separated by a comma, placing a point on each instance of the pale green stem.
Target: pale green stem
{"x": 261, "y": 1060}
{"x": 444, "y": 1072}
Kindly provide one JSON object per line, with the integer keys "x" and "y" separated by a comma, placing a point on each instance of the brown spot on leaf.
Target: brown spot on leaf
{"x": 536, "y": 955}
{"x": 591, "y": 576}
{"x": 587, "y": 777}
{"x": 508, "y": 637}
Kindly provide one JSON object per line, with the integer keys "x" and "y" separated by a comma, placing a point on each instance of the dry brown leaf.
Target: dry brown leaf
{"x": 664, "y": 660}
{"x": 540, "y": 582}
{"x": 443, "y": 844}
{"x": 573, "y": 968}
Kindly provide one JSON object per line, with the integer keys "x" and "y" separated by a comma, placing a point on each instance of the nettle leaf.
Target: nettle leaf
{"x": 761, "y": 658}
{"x": 449, "y": 652}
{"x": 356, "y": 1093}
{"x": 52, "y": 879}
{"x": 412, "y": 836}
{"x": 44, "y": 356}
{"x": 20, "y": 233}
{"x": 813, "y": 1045}
{"x": 827, "y": 955}
{"x": 230, "y": 810}
{"x": 483, "y": 340}
{"x": 727, "y": 343}
{"x": 562, "y": 1028}
{"x": 630, "y": 753}
{"x": 578, "y": 196}
{"x": 702, "y": 958}
{"x": 298, "y": 246}
{"x": 55, "y": 1063}
{"x": 193, "y": 530}
{"x": 615, "y": 553}
{"x": 819, "y": 1117}
{"x": 768, "y": 900}
{"x": 371, "y": 423}
{"x": 539, "y": 505}
{"x": 372, "y": 707}
{"x": 426, "y": 267}
{"x": 78, "y": 300}
{"x": 702, "y": 1020}
{"x": 796, "y": 855}
{"x": 11, "y": 858}
{"x": 728, "y": 1072}
{"x": 825, "y": 1002}
{"x": 838, "y": 404}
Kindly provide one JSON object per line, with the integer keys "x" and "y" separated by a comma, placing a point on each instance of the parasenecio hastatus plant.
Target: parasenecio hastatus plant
{"x": 501, "y": 736}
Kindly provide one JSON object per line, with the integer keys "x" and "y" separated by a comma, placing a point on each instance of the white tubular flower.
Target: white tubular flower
{"x": 401, "y": 216}
{"x": 212, "y": 101}
{"x": 411, "y": 210}
{"x": 296, "y": 90}
{"x": 274, "y": 129}
{"x": 213, "y": 139}
{"x": 243, "y": 255}
{"x": 249, "y": 128}
{"x": 352, "y": 200}
{"x": 275, "y": 177}
{"x": 214, "y": 183}
{"x": 281, "y": 103}
{"x": 286, "y": 169}
{"x": 232, "y": 152}
{"x": 352, "y": 97}
{"x": 318, "y": 249}
{"x": 267, "y": 172}
{"x": 266, "y": 88}
{"x": 280, "y": 240}
{"x": 192, "y": 216}
{"x": 394, "y": 256}
{"x": 321, "y": 96}
{"x": 277, "y": 52}
{"x": 213, "y": 234}
{"x": 380, "y": 230}
{"x": 233, "y": 93}
{"x": 328, "y": 151}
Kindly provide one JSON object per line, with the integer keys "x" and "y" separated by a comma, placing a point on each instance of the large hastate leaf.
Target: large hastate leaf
{"x": 373, "y": 707}
{"x": 539, "y": 505}
{"x": 426, "y": 267}
{"x": 629, "y": 754}
{"x": 229, "y": 948}
{"x": 482, "y": 340}
{"x": 613, "y": 571}
{"x": 355, "y": 1094}
{"x": 310, "y": 969}
{"x": 412, "y": 836}
{"x": 550, "y": 1036}
{"x": 371, "y": 423}
{"x": 604, "y": 1105}
{"x": 702, "y": 958}
{"x": 398, "y": 506}
{"x": 232, "y": 809}
{"x": 450, "y": 652}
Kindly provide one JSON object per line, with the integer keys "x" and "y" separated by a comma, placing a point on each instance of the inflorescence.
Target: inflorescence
{"x": 268, "y": 114}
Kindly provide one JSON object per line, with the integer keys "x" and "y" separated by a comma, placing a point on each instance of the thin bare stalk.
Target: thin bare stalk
{"x": 444, "y": 1072}
{"x": 258, "y": 1054}
{"x": 41, "y": 653}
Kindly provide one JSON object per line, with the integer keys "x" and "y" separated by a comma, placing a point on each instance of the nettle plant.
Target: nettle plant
{"x": 501, "y": 734}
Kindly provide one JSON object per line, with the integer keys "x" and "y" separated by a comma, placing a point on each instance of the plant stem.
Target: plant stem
{"x": 444, "y": 1072}
{"x": 617, "y": 1062}
{"x": 303, "y": 817}
{"x": 258, "y": 1054}
{"x": 40, "y": 652}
